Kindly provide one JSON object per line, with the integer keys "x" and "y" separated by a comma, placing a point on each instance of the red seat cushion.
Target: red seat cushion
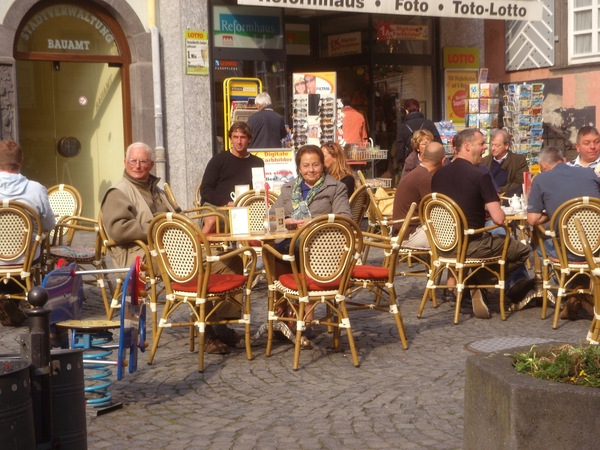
{"x": 370, "y": 272}
{"x": 218, "y": 282}
{"x": 255, "y": 243}
{"x": 288, "y": 281}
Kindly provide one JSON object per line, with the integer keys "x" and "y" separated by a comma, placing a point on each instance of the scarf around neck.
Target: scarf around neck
{"x": 297, "y": 195}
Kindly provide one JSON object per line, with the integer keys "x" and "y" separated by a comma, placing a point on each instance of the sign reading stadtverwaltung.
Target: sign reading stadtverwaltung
{"x": 530, "y": 10}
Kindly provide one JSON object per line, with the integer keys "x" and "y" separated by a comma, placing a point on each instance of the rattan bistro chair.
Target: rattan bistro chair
{"x": 20, "y": 236}
{"x": 359, "y": 203}
{"x": 448, "y": 234}
{"x": 65, "y": 201}
{"x": 185, "y": 259}
{"x": 322, "y": 255}
{"x": 170, "y": 195}
{"x": 563, "y": 232}
{"x": 108, "y": 247}
{"x": 255, "y": 202}
{"x": 83, "y": 255}
{"x": 594, "y": 265}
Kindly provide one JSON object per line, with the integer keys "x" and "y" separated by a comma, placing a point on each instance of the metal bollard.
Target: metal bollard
{"x": 35, "y": 348}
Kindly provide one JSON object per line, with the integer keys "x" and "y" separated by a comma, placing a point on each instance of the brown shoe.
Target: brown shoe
{"x": 11, "y": 314}
{"x": 213, "y": 346}
{"x": 230, "y": 338}
{"x": 571, "y": 309}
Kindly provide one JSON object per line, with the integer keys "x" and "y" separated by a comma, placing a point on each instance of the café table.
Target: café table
{"x": 520, "y": 217}
{"x": 268, "y": 238}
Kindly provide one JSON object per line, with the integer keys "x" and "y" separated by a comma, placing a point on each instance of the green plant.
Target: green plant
{"x": 563, "y": 364}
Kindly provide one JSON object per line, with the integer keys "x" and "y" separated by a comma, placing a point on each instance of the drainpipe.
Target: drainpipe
{"x": 159, "y": 151}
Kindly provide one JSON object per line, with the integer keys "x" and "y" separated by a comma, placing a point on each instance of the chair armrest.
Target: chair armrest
{"x": 471, "y": 231}
{"x": 75, "y": 223}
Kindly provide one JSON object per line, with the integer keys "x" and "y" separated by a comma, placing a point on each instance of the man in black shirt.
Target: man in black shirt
{"x": 475, "y": 194}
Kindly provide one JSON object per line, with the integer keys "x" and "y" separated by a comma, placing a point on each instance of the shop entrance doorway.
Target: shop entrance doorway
{"x": 74, "y": 109}
{"x": 59, "y": 100}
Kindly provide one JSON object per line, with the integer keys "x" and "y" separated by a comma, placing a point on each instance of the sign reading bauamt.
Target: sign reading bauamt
{"x": 530, "y": 10}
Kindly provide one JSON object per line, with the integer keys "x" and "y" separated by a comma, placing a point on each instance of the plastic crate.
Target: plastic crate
{"x": 365, "y": 154}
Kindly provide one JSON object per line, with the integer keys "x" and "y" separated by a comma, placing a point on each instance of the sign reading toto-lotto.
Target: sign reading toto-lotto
{"x": 529, "y": 10}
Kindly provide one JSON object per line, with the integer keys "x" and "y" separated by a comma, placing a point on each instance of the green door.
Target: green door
{"x": 82, "y": 100}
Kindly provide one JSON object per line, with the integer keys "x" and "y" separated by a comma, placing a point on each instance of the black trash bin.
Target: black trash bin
{"x": 68, "y": 400}
{"x": 16, "y": 411}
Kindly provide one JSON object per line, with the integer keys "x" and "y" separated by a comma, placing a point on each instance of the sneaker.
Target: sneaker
{"x": 479, "y": 307}
{"x": 214, "y": 346}
{"x": 229, "y": 338}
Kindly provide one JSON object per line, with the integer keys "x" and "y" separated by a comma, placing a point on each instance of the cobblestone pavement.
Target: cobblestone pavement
{"x": 397, "y": 399}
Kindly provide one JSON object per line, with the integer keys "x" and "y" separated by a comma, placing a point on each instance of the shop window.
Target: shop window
{"x": 403, "y": 34}
{"x": 584, "y": 31}
{"x": 67, "y": 28}
{"x": 344, "y": 35}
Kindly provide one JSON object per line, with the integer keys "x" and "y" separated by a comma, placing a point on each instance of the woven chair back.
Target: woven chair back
{"x": 444, "y": 222}
{"x": 327, "y": 246}
{"x": 587, "y": 210}
{"x": 359, "y": 202}
{"x": 179, "y": 245}
{"x": 16, "y": 232}
{"x": 65, "y": 200}
{"x": 255, "y": 202}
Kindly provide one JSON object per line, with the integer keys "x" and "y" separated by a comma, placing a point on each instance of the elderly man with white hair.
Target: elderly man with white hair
{"x": 130, "y": 205}
{"x": 268, "y": 128}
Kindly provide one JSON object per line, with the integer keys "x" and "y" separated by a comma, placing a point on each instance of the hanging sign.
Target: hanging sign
{"x": 529, "y": 10}
{"x": 456, "y": 88}
{"x": 196, "y": 52}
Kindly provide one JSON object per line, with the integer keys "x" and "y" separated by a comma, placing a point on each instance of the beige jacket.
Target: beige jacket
{"x": 127, "y": 210}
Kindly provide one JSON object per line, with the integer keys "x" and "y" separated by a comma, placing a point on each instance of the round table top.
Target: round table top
{"x": 97, "y": 324}
{"x": 257, "y": 236}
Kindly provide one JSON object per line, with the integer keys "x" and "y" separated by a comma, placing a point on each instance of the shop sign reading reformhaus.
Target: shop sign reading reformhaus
{"x": 530, "y": 10}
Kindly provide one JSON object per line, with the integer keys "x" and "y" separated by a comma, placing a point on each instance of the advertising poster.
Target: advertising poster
{"x": 243, "y": 27}
{"x": 280, "y": 166}
{"x": 314, "y": 108}
{"x": 344, "y": 44}
{"x": 196, "y": 52}
{"x": 388, "y": 30}
{"x": 456, "y": 87}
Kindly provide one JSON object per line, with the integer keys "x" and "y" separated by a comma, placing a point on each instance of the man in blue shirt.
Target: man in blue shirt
{"x": 557, "y": 184}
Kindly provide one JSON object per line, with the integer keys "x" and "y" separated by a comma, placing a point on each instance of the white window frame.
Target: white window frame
{"x": 594, "y": 55}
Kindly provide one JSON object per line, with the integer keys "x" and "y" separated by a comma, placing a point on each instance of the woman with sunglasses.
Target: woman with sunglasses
{"x": 299, "y": 85}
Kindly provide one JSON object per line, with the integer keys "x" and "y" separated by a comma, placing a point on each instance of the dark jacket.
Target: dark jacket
{"x": 416, "y": 121}
{"x": 516, "y": 165}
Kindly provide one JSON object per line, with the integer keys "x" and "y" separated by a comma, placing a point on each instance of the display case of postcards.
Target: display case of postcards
{"x": 523, "y": 118}
{"x": 483, "y": 108}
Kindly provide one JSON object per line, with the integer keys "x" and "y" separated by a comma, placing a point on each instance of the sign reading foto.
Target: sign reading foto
{"x": 529, "y": 10}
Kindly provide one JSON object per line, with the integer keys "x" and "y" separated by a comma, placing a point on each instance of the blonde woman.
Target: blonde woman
{"x": 419, "y": 141}
{"x": 337, "y": 167}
